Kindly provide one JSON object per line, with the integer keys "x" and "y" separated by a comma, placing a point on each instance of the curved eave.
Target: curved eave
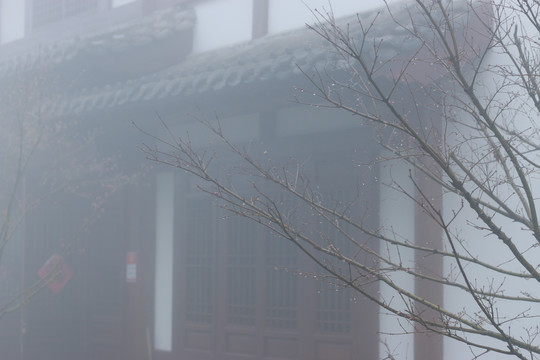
{"x": 269, "y": 60}
{"x": 137, "y": 34}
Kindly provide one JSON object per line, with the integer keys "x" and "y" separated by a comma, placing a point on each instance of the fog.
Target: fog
{"x": 110, "y": 249}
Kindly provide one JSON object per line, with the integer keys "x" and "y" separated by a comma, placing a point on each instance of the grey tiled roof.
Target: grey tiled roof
{"x": 277, "y": 57}
{"x": 274, "y": 58}
{"x": 135, "y": 33}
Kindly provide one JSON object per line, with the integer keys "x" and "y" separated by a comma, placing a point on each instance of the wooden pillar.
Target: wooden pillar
{"x": 138, "y": 213}
{"x": 428, "y": 344}
{"x": 149, "y": 6}
{"x": 260, "y": 18}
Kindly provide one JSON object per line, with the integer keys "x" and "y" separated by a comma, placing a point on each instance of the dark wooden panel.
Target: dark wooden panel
{"x": 335, "y": 350}
{"x": 199, "y": 339}
{"x": 281, "y": 348}
{"x": 241, "y": 292}
{"x": 10, "y": 332}
{"x": 241, "y": 343}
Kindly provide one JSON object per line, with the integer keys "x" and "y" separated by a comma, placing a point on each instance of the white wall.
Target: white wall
{"x": 239, "y": 129}
{"x": 396, "y": 216}
{"x": 116, "y": 3}
{"x": 221, "y": 23}
{"x": 292, "y": 14}
{"x": 487, "y": 247}
{"x": 12, "y": 20}
{"x": 303, "y": 119}
{"x": 163, "y": 301}
{"x": 225, "y": 22}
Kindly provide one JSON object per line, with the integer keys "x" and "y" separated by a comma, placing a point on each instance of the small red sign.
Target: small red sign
{"x": 56, "y": 272}
{"x": 131, "y": 266}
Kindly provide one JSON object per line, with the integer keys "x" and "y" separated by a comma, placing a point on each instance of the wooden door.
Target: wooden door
{"x": 104, "y": 291}
{"x": 52, "y": 324}
{"x": 243, "y": 293}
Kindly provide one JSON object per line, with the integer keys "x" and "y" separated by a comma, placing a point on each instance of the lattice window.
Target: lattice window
{"x": 241, "y": 272}
{"x": 281, "y": 284}
{"x": 333, "y": 300}
{"x": 45, "y": 234}
{"x": 200, "y": 262}
{"x": 49, "y": 11}
{"x": 333, "y": 308}
{"x": 10, "y": 269}
{"x": 74, "y": 7}
{"x": 46, "y": 12}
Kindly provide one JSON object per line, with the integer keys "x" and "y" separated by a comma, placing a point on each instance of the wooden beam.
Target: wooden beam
{"x": 428, "y": 344}
{"x": 260, "y": 18}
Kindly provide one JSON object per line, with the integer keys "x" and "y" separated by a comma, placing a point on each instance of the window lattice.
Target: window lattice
{"x": 333, "y": 308}
{"x": 281, "y": 284}
{"x": 200, "y": 262}
{"x": 45, "y": 232}
{"x": 75, "y": 7}
{"x": 10, "y": 270}
{"x": 333, "y": 300}
{"x": 50, "y": 11}
{"x": 47, "y": 11}
{"x": 241, "y": 283}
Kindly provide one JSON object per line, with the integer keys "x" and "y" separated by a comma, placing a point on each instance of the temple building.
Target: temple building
{"x": 162, "y": 272}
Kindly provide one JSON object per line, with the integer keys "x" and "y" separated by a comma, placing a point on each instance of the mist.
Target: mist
{"x": 197, "y": 179}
